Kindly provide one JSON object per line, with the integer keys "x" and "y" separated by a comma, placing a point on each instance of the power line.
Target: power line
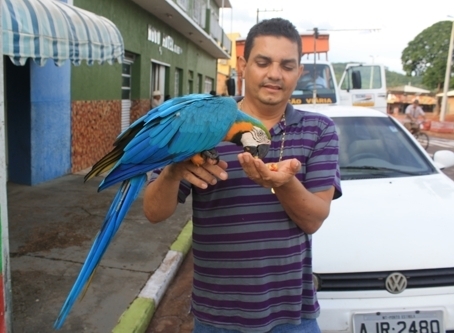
{"x": 266, "y": 11}
{"x": 335, "y": 30}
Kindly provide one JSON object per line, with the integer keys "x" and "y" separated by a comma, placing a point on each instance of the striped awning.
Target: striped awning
{"x": 48, "y": 29}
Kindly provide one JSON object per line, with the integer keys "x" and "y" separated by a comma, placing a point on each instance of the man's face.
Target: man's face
{"x": 273, "y": 69}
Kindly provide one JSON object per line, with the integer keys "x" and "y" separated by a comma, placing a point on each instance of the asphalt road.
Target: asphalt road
{"x": 173, "y": 314}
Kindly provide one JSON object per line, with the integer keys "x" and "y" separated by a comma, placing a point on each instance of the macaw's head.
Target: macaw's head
{"x": 251, "y": 134}
{"x": 256, "y": 142}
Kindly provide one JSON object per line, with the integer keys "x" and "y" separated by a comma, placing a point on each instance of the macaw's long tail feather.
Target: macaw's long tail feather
{"x": 110, "y": 160}
{"x": 120, "y": 206}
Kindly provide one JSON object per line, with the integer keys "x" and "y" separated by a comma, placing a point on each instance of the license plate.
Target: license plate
{"x": 399, "y": 322}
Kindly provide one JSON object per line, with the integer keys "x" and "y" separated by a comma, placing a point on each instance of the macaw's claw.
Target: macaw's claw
{"x": 201, "y": 158}
{"x": 211, "y": 154}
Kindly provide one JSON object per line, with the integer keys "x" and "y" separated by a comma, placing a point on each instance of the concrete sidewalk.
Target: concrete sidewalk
{"x": 51, "y": 227}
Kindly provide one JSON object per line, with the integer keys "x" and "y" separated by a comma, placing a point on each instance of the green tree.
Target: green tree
{"x": 427, "y": 53}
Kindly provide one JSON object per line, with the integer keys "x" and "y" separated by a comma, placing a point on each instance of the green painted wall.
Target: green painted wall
{"x": 103, "y": 82}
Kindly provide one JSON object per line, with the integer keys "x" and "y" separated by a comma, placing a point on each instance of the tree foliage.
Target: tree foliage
{"x": 427, "y": 53}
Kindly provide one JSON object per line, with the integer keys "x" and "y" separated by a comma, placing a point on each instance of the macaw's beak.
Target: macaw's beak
{"x": 259, "y": 151}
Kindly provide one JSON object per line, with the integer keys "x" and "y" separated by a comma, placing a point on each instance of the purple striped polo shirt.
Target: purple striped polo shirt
{"x": 252, "y": 264}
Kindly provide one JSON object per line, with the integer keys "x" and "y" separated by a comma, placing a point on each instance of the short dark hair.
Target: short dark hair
{"x": 276, "y": 27}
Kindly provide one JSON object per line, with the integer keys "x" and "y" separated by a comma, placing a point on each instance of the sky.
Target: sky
{"x": 360, "y": 31}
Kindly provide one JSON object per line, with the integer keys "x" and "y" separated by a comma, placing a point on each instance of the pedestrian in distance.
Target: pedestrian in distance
{"x": 414, "y": 113}
{"x": 253, "y": 219}
{"x": 156, "y": 99}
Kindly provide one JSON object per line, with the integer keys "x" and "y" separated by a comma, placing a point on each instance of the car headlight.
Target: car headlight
{"x": 317, "y": 281}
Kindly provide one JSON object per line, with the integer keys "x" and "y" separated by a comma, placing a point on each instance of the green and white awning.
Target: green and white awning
{"x": 48, "y": 29}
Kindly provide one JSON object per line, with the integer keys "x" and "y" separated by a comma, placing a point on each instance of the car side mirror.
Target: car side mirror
{"x": 444, "y": 159}
{"x": 356, "y": 79}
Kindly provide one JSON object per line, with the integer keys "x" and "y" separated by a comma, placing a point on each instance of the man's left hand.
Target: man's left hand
{"x": 261, "y": 173}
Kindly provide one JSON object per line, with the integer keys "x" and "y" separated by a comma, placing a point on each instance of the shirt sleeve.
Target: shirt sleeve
{"x": 407, "y": 110}
{"x": 322, "y": 167}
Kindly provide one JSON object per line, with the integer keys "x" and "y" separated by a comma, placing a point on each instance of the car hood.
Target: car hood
{"x": 388, "y": 224}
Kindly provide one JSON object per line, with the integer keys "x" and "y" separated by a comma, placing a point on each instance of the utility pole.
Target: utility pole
{"x": 447, "y": 76}
{"x": 314, "y": 90}
{"x": 266, "y": 10}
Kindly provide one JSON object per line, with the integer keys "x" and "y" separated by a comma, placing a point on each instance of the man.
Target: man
{"x": 308, "y": 78}
{"x": 414, "y": 112}
{"x": 252, "y": 226}
{"x": 156, "y": 99}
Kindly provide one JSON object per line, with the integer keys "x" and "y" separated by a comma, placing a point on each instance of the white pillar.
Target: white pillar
{"x": 447, "y": 76}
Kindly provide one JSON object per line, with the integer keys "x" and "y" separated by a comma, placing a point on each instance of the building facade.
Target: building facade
{"x": 64, "y": 119}
{"x": 227, "y": 71}
{"x": 170, "y": 45}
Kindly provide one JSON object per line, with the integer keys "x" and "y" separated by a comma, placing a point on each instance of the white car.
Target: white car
{"x": 384, "y": 259}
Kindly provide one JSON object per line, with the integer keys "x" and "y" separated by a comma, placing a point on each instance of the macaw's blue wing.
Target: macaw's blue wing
{"x": 171, "y": 133}
{"x": 175, "y": 131}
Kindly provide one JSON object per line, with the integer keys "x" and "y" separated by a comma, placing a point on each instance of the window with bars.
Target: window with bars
{"x": 126, "y": 84}
{"x": 190, "y": 82}
{"x": 199, "y": 12}
{"x": 183, "y": 4}
{"x": 199, "y": 83}
{"x": 208, "y": 85}
{"x": 178, "y": 82}
{"x": 126, "y": 80}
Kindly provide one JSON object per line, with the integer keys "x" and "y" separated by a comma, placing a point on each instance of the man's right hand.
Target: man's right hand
{"x": 200, "y": 176}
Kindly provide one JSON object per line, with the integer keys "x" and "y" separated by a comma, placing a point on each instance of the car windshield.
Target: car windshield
{"x": 315, "y": 77}
{"x": 375, "y": 147}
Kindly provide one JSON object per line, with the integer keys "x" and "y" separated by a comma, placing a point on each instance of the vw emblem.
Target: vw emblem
{"x": 396, "y": 283}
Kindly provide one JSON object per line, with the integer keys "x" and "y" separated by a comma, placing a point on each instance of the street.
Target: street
{"x": 173, "y": 314}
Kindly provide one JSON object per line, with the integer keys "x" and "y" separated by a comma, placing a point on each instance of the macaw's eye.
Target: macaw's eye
{"x": 260, "y": 136}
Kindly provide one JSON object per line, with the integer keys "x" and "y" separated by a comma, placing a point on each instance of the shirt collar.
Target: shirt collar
{"x": 291, "y": 116}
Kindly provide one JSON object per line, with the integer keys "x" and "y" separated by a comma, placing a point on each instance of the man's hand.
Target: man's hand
{"x": 200, "y": 176}
{"x": 266, "y": 175}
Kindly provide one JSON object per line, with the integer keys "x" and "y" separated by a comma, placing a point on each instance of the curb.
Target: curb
{"x": 137, "y": 317}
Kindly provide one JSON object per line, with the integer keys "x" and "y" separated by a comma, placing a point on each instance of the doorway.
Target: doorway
{"x": 159, "y": 72}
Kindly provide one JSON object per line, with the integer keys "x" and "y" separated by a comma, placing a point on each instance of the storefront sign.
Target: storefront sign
{"x": 154, "y": 36}
{"x": 169, "y": 44}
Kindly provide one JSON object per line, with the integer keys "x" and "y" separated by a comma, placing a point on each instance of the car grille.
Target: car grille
{"x": 426, "y": 278}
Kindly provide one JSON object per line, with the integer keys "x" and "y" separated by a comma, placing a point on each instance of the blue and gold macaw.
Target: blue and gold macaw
{"x": 182, "y": 128}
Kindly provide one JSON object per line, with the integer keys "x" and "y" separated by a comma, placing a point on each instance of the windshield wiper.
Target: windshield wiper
{"x": 368, "y": 167}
